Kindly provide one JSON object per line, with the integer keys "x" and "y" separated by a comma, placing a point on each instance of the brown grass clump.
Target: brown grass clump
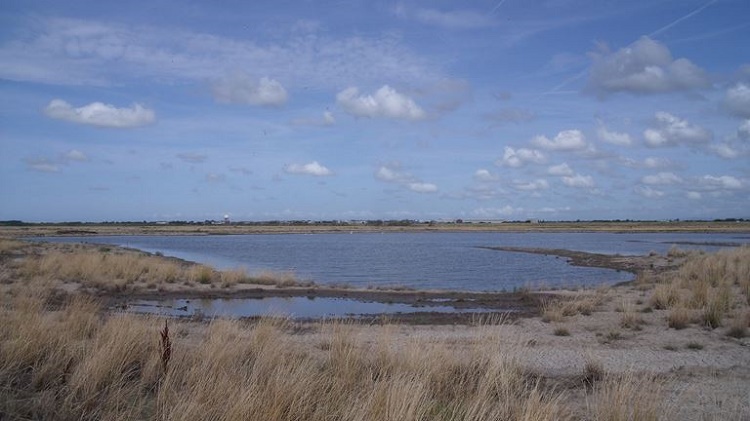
{"x": 738, "y": 326}
{"x": 630, "y": 396}
{"x": 665, "y": 296}
{"x": 679, "y": 317}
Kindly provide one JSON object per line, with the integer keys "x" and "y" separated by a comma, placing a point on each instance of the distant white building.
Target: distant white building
{"x": 226, "y": 220}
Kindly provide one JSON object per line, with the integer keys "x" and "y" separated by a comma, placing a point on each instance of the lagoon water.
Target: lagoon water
{"x": 433, "y": 260}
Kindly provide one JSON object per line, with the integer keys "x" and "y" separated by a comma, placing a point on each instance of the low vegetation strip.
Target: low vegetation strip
{"x": 632, "y": 264}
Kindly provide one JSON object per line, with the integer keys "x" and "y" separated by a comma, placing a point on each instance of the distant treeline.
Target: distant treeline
{"x": 374, "y": 222}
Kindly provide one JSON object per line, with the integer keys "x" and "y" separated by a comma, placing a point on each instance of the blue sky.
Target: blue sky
{"x": 557, "y": 110}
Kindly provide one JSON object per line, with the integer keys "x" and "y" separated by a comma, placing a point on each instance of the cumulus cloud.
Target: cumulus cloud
{"x": 312, "y": 168}
{"x": 393, "y": 173}
{"x": 486, "y": 176}
{"x": 653, "y": 162}
{"x": 725, "y": 150}
{"x": 644, "y": 67}
{"x": 737, "y": 100}
{"x": 240, "y": 88}
{"x": 724, "y": 182}
{"x": 612, "y": 137}
{"x": 101, "y": 115}
{"x": 566, "y": 140}
{"x": 386, "y": 102}
{"x": 578, "y": 181}
{"x": 649, "y": 192}
{"x": 515, "y": 158}
{"x": 75, "y": 155}
{"x": 669, "y": 130}
{"x": 662, "y": 178}
{"x": 538, "y": 184}
{"x": 422, "y": 187}
{"x": 560, "y": 170}
{"x": 192, "y": 158}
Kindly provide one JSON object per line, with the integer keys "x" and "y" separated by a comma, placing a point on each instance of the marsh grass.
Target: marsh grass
{"x": 115, "y": 270}
{"x": 629, "y": 396}
{"x": 76, "y": 364}
{"x": 679, "y": 317}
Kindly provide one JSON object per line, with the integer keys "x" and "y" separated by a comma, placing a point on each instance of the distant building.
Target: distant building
{"x": 226, "y": 220}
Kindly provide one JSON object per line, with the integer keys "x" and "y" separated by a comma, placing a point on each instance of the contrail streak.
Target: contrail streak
{"x": 688, "y": 16}
{"x": 494, "y": 9}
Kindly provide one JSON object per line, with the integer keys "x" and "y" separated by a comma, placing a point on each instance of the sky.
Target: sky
{"x": 429, "y": 110}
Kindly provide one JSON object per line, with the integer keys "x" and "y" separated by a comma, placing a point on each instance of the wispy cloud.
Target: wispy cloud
{"x": 87, "y": 52}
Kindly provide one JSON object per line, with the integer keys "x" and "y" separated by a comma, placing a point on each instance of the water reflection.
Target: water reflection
{"x": 295, "y": 307}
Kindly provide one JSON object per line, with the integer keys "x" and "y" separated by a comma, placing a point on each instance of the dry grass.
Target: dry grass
{"x": 74, "y": 364}
{"x": 626, "y": 397}
{"x": 711, "y": 284}
{"x": 114, "y": 270}
{"x": 679, "y": 317}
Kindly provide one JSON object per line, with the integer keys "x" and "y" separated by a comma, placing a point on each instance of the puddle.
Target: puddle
{"x": 295, "y": 307}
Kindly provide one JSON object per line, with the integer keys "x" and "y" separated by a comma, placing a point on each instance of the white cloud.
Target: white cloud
{"x": 644, "y": 67}
{"x": 654, "y": 163}
{"x": 566, "y": 140}
{"x": 393, "y": 173}
{"x": 538, "y": 184}
{"x": 724, "y": 182}
{"x": 649, "y": 192}
{"x": 101, "y": 115}
{"x": 422, "y": 187}
{"x": 614, "y": 138}
{"x": 737, "y": 100}
{"x": 240, "y": 88}
{"x": 75, "y": 155}
{"x": 579, "y": 181}
{"x": 560, "y": 170}
{"x": 193, "y": 158}
{"x": 669, "y": 130}
{"x": 42, "y": 165}
{"x": 662, "y": 178}
{"x": 386, "y": 102}
{"x": 515, "y": 158}
{"x": 215, "y": 178}
{"x": 725, "y": 150}
{"x": 311, "y": 168}
{"x": 743, "y": 132}
{"x": 694, "y": 195}
{"x": 484, "y": 175}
